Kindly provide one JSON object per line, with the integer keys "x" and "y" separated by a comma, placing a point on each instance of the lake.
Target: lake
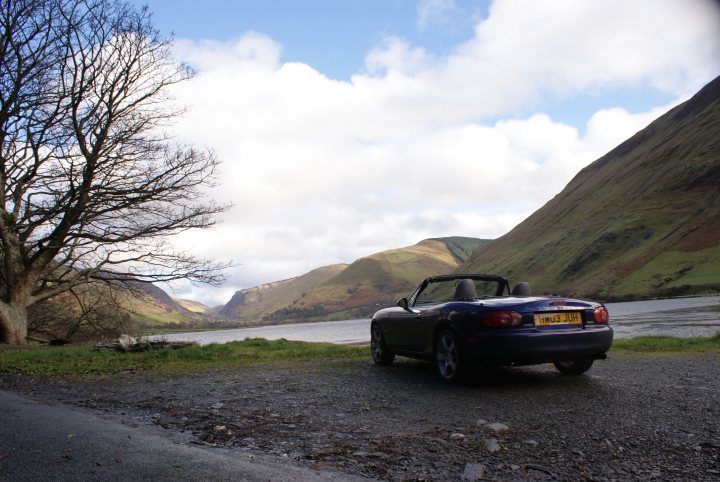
{"x": 697, "y": 316}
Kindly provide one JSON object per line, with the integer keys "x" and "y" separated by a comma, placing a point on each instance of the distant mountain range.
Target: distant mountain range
{"x": 356, "y": 290}
{"x": 642, "y": 221}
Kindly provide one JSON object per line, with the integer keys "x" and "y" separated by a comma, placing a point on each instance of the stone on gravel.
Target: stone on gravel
{"x": 473, "y": 472}
{"x": 457, "y": 436}
{"x": 492, "y": 445}
{"x": 496, "y": 427}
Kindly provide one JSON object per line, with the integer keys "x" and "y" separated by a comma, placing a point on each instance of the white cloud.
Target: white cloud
{"x": 324, "y": 171}
{"x": 610, "y": 127}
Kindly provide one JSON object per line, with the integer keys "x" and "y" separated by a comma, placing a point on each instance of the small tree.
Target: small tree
{"x": 91, "y": 183}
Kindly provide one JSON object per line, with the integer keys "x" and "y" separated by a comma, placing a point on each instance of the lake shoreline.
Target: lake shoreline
{"x": 683, "y": 317}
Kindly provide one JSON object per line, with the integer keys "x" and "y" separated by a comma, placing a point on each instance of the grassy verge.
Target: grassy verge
{"x": 668, "y": 344}
{"x": 75, "y": 362}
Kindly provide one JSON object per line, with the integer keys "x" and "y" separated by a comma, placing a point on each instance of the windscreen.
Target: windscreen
{"x": 464, "y": 289}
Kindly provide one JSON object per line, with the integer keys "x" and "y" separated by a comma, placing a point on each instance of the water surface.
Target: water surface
{"x": 675, "y": 317}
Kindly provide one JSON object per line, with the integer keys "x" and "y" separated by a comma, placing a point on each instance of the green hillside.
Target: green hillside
{"x": 461, "y": 246}
{"x": 291, "y": 294}
{"x": 641, "y": 221}
{"x": 193, "y": 306}
{"x": 354, "y": 290}
{"x": 150, "y": 306}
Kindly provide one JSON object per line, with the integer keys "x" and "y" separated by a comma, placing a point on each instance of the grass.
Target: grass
{"x": 668, "y": 344}
{"x": 77, "y": 362}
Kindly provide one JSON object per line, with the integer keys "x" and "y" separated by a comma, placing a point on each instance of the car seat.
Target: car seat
{"x": 465, "y": 290}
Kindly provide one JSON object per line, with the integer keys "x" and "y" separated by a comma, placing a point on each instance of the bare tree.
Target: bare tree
{"x": 89, "y": 312}
{"x": 92, "y": 184}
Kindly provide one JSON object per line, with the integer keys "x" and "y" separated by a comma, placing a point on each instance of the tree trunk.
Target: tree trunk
{"x": 13, "y": 323}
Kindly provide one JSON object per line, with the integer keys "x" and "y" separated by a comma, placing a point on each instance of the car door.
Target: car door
{"x": 409, "y": 331}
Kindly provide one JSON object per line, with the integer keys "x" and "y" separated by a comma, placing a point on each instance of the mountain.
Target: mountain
{"x": 150, "y": 305}
{"x": 193, "y": 306}
{"x": 272, "y": 297}
{"x": 641, "y": 221}
{"x": 354, "y": 290}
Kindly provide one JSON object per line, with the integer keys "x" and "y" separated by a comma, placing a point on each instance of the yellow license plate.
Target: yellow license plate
{"x": 558, "y": 318}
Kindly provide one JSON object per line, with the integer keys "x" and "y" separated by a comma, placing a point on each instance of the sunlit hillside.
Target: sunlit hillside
{"x": 354, "y": 290}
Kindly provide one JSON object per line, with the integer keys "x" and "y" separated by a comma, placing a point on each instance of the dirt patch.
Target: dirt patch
{"x": 630, "y": 419}
{"x": 704, "y": 236}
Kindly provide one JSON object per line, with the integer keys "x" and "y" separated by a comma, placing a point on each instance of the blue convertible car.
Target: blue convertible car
{"x": 465, "y": 319}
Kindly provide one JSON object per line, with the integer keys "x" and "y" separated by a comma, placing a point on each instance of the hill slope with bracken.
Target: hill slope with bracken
{"x": 354, "y": 290}
{"x": 641, "y": 221}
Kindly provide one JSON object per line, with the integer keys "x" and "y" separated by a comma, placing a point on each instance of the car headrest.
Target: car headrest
{"x": 465, "y": 290}
{"x": 521, "y": 289}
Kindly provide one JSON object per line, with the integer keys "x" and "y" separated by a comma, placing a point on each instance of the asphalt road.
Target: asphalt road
{"x": 41, "y": 442}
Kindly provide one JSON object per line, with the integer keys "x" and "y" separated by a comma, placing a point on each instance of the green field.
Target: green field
{"x": 80, "y": 361}
{"x": 72, "y": 362}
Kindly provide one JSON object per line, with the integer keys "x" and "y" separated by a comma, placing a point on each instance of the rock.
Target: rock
{"x": 532, "y": 442}
{"x": 457, "y": 436}
{"x": 473, "y": 472}
{"x": 496, "y": 427}
{"x": 127, "y": 341}
{"x": 481, "y": 422}
{"x": 514, "y": 467}
{"x": 492, "y": 445}
{"x": 217, "y": 405}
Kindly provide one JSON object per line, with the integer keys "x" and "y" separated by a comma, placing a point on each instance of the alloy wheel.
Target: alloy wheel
{"x": 447, "y": 356}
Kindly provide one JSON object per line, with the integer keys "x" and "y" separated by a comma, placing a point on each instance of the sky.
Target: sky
{"x": 348, "y": 127}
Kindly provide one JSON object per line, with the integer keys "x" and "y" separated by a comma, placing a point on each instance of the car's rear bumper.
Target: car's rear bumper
{"x": 525, "y": 346}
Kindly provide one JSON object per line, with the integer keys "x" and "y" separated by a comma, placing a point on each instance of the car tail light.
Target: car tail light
{"x": 602, "y": 315}
{"x": 502, "y": 319}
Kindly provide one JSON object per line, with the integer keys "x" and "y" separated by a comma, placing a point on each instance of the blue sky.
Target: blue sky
{"x": 331, "y": 35}
{"x": 352, "y": 126}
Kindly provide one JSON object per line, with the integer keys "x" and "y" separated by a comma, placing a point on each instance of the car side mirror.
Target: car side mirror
{"x": 404, "y": 303}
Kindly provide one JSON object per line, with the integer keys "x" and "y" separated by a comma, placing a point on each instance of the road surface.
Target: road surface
{"x": 53, "y": 442}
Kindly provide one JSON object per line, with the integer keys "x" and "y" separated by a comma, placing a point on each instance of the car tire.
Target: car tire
{"x": 381, "y": 355}
{"x": 574, "y": 367}
{"x": 448, "y": 359}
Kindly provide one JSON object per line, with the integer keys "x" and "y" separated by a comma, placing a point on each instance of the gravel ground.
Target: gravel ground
{"x": 629, "y": 418}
